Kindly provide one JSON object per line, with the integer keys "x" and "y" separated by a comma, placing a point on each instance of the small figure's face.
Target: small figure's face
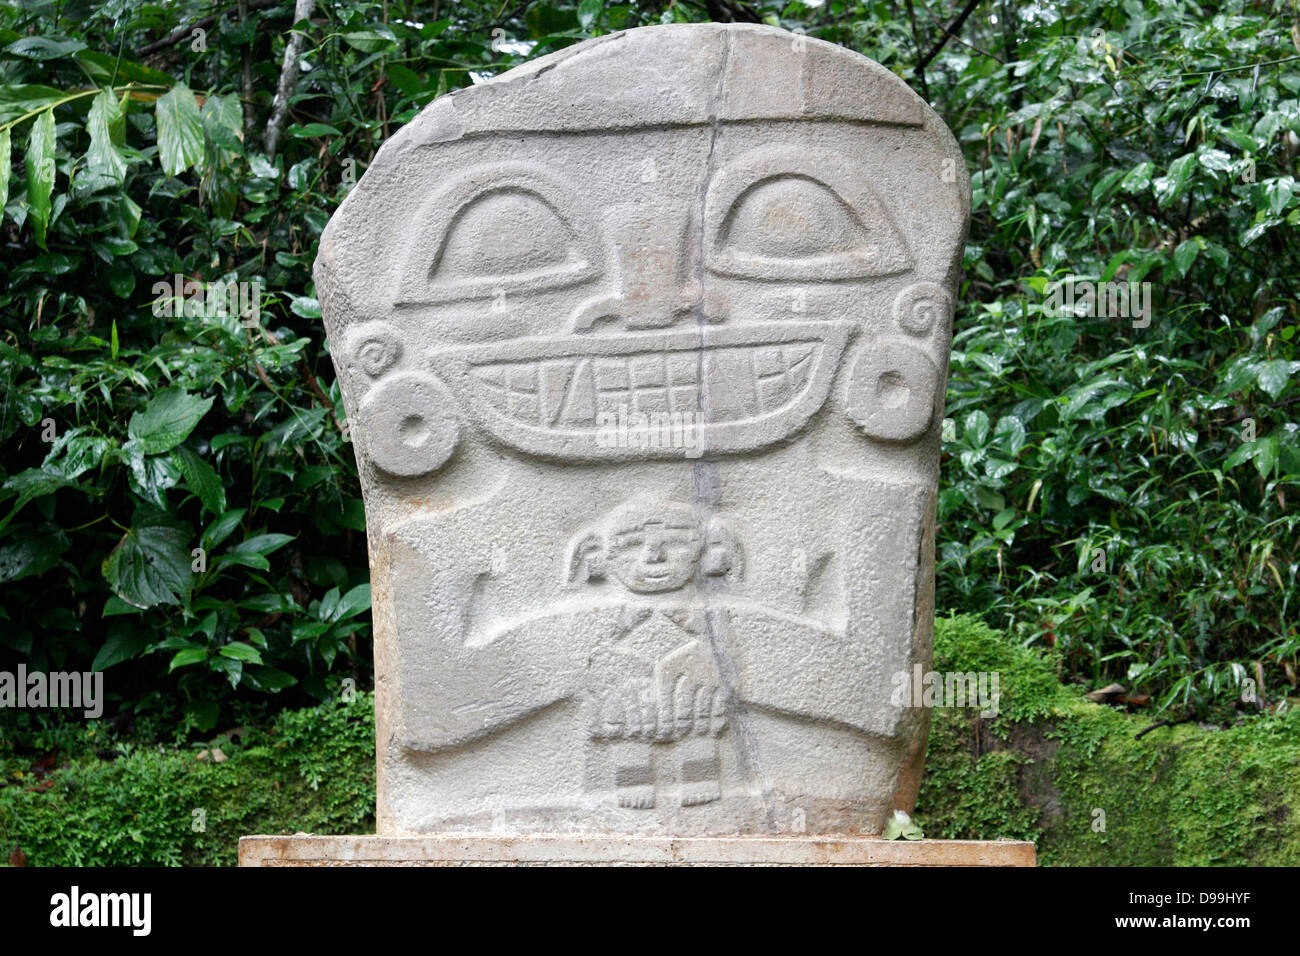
{"x": 655, "y": 555}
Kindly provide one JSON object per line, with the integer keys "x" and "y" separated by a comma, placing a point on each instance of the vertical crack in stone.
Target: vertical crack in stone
{"x": 708, "y": 487}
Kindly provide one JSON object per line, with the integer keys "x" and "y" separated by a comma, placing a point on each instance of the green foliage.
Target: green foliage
{"x": 177, "y": 495}
{"x": 901, "y": 826}
{"x": 178, "y": 501}
{"x": 118, "y": 804}
{"x": 1054, "y": 768}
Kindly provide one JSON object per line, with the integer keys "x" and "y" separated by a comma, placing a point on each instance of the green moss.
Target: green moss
{"x": 1053, "y": 768}
{"x": 311, "y": 770}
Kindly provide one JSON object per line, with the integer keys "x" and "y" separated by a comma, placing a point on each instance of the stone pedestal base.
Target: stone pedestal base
{"x": 561, "y": 849}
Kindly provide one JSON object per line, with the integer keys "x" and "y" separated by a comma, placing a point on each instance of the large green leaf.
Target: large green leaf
{"x": 354, "y": 602}
{"x": 1273, "y": 375}
{"x": 223, "y": 121}
{"x": 313, "y": 130}
{"x": 167, "y": 419}
{"x": 125, "y": 641}
{"x": 252, "y": 551}
{"x": 334, "y": 607}
{"x": 238, "y": 650}
{"x": 115, "y": 69}
{"x": 29, "y": 484}
{"x": 44, "y": 47}
{"x": 1138, "y": 178}
{"x": 1170, "y": 188}
{"x": 180, "y": 130}
{"x": 263, "y": 544}
{"x": 190, "y": 655}
{"x": 1186, "y": 254}
{"x": 105, "y": 167}
{"x": 375, "y": 38}
{"x": 151, "y": 475}
{"x": 976, "y": 429}
{"x": 1082, "y": 401}
{"x": 40, "y": 172}
{"x": 151, "y": 564}
{"x": 6, "y": 160}
{"x": 222, "y": 528}
{"x": 20, "y": 100}
{"x": 1267, "y": 456}
{"x": 74, "y": 453}
{"x": 31, "y": 556}
{"x": 1278, "y": 192}
{"x": 268, "y": 678}
{"x": 201, "y": 479}
{"x": 588, "y": 11}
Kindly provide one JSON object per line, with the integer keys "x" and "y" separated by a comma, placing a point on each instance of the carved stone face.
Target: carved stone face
{"x": 655, "y": 552}
{"x": 707, "y": 265}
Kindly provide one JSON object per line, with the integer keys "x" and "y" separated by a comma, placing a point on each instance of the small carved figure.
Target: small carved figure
{"x": 656, "y": 682}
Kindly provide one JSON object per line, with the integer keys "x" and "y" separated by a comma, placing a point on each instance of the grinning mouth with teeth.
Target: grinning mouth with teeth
{"x": 741, "y": 386}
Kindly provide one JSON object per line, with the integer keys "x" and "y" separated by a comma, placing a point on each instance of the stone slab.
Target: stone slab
{"x": 642, "y": 348}
{"x": 576, "y": 850}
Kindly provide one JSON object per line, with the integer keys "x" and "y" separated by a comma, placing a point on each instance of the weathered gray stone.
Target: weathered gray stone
{"x": 644, "y": 348}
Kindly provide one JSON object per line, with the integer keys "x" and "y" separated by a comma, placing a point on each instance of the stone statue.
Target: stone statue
{"x": 643, "y": 346}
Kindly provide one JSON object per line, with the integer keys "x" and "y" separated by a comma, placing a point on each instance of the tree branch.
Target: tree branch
{"x": 731, "y": 11}
{"x": 948, "y": 31}
{"x": 916, "y": 41}
{"x": 302, "y": 10}
{"x": 246, "y": 98}
{"x": 206, "y": 23}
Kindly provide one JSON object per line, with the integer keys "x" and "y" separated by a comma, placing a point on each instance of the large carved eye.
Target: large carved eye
{"x": 791, "y": 217}
{"x": 503, "y": 234}
{"x": 502, "y": 228}
{"x": 784, "y": 213}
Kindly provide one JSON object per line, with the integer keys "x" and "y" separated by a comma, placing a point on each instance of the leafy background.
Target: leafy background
{"x": 1123, "y": 495}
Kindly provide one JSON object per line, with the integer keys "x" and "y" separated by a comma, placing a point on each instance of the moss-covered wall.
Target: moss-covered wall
{"x": 1039, "y": 770}
{"x": 311, "y": 770}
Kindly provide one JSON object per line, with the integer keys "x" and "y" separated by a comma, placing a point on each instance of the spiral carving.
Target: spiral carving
{"x": 922, "y": 306}
{"x": 375, "y": 348}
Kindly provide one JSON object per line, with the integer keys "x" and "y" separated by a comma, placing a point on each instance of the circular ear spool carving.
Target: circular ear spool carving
{"x": 410, "y": 425}
{"x": 922, "y": 306}
{"x": 892, "y": 391}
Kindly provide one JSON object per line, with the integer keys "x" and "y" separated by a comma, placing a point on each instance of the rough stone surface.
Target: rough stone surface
{"x": 643, "y": 346}
{"x": 528, "y": 850}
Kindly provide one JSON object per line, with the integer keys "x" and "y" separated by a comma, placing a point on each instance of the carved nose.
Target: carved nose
{"x": 621, "y": 311}
{"x": 657, "y": 282}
